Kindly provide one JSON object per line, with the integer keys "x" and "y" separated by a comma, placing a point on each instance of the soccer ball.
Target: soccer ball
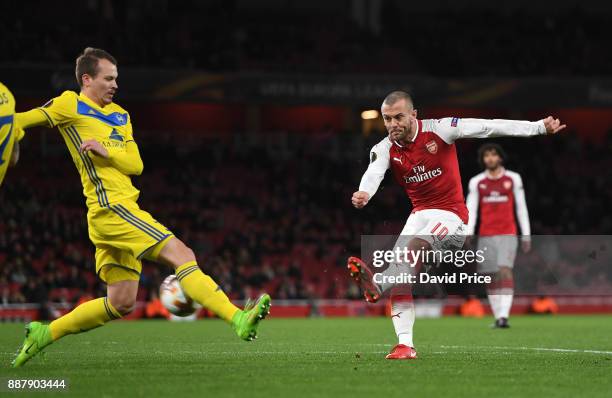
{"x": 174, "y": 298}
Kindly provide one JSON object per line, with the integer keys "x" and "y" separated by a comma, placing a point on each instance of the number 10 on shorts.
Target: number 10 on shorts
{"x": 439, "y": 231}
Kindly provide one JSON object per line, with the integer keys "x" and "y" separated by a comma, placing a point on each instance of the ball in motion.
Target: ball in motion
{"x": 174, "y": 298}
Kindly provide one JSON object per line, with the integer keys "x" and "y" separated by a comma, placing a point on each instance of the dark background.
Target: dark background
{"x": 248, "y": 119}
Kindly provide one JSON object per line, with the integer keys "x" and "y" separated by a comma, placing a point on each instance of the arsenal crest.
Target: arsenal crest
{"x": 507, "y": 185}
{"x": 432, "y": 147}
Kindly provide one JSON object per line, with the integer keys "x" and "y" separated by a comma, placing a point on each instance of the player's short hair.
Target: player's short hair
{"x": 490, "y": 146}
{"x": 87, "y": 62}
{"x": 395, "y": 96}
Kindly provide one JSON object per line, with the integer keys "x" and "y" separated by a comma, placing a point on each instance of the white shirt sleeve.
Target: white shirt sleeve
{"x": 379, "y": 164}
{"x": 521, "y": 206}
{"x": 472, "y": 202}
{"x": 451, "y": 129}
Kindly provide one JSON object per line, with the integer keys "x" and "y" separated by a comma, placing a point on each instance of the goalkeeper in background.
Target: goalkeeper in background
{"x": 98, "y": 134}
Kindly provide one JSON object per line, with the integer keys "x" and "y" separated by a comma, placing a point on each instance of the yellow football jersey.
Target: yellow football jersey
{"x": 121, "y": 231}
{"x": 9, "y": 132}
{"x": 78, "y": 118}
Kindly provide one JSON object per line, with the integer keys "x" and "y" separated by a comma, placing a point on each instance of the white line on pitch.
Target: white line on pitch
{"x": 530, "y": 349}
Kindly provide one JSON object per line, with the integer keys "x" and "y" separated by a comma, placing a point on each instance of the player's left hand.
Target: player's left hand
{"x": 95, "y": 147}
{"x": 526, "y": 246}
{"x": 553, "y": 126}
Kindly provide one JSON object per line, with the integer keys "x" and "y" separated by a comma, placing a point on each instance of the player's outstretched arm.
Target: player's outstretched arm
{"x": 32, "y": 118}
{"x": 451, "y": 129}
{"x": 59, "y": 110}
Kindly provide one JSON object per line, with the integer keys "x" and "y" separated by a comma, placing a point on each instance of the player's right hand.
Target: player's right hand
{"x": 360, "y": 199}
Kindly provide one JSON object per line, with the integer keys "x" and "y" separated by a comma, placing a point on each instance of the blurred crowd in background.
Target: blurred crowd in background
{"x": 265, "y": 211}
{"x": 227, "y": 36}
{"x": 271, "y": 210}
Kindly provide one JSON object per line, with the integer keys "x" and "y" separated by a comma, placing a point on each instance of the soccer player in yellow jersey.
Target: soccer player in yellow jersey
{"x": 10, "y": 133}
{"x": 99, "y": 136}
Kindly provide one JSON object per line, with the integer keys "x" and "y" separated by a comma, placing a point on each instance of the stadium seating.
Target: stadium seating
{"x": 278, "y": 225}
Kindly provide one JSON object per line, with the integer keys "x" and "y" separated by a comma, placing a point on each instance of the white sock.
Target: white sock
{"x": 506, "y": 304}
{"x": 403, "y": 315}
{"x": 495, "y": 303}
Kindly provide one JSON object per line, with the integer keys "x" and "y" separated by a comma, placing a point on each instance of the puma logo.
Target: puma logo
{"x": 395, "y": 315}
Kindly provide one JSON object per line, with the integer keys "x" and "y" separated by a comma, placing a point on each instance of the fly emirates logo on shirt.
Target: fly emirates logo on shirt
{"x": 495, "y": 197}
{"x": 420, "y": 174}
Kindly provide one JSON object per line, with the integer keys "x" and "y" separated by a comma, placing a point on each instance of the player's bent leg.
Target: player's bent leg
{"x": 122, "y": 290}
{"x": 173, "y": 253}
{"x": 205, "y": 291}
{"x": 121, "y": 283}
{"x": 196, "y": 284}
{"x": 122, "y": 296}
{"x": 86, "y": 316}
{"x": 416, "y": 245}
{"x": 435, "y": 232}
{"x": 363, "y": 275}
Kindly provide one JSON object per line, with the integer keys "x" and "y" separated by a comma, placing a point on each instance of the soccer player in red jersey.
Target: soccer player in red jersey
{"x": 422, "y": 157}
{"x": 493, "y": 196}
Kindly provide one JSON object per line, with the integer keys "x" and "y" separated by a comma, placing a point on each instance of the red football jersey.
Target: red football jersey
{"x": 494, "y": 200}
{"x": 427, "y": 168}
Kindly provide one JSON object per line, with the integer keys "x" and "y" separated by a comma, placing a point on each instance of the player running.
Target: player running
{"x": 495, "y": 194}
{"x": 422, "y": 157}
{"x": 10, "y": 133}
{"x": 98, "y": 133}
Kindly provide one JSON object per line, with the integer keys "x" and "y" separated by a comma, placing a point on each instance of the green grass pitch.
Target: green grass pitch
{"x": 550, "y": 356}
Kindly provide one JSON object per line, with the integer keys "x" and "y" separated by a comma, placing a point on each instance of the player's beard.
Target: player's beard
{"x": 399, "y": 134}
{"x": 493, "y": 167}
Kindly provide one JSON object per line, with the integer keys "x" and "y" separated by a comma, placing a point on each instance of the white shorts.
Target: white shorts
{"x": 500, "y": 252}
{"x": 443, "y": 229}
